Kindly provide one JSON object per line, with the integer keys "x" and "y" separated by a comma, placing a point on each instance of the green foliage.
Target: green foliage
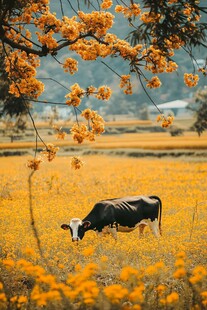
{"x": 200, "y": 109}
{"x": 169, "y": 21}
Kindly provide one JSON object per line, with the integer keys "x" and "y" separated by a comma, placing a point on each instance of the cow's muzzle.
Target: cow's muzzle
{"x": 75, "y": 239}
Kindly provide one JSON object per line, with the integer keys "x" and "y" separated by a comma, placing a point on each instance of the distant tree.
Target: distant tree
{"x": 30, "y": 31}
{"x": 200, "y": 110}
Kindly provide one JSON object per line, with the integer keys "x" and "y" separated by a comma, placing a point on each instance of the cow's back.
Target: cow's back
{"x": 126, "y": 211}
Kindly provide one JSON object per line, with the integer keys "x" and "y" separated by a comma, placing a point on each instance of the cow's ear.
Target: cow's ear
{"x": 86, "y": 224}
{"x": 65, "y": 226}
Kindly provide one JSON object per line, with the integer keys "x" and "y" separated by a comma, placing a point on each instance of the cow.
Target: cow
{"x": 119, "y": 215}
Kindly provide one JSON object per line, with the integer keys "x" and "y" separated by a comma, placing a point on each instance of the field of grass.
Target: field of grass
{"x": 147, "y": 141}
{"x": 132, "y": 273}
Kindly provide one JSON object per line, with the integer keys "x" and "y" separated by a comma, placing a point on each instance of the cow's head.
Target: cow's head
{"x": 77, "y": 228}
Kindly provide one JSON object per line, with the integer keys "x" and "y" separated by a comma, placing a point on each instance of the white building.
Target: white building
{"x": 177, "y": 108}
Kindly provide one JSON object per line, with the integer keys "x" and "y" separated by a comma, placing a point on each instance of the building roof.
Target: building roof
{"x": 176, "y": 104}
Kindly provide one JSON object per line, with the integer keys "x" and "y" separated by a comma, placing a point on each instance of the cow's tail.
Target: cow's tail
{"x": 160, "y": 213}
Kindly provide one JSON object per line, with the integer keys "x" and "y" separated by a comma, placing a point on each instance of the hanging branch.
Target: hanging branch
{"x": 35, "y": 232}
{"x": 139, "y": 77}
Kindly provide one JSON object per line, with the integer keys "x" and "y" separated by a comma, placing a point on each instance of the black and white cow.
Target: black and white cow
{"x": 119, "y": 215}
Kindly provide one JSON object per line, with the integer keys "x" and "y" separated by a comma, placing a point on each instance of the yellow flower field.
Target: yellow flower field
{"x": 132, "y": 273}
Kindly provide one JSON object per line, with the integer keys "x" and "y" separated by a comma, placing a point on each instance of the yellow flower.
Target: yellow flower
{"x": 14, "y": 299}
{"x": 29, "y": 251}
{"x": 22, "y": 299}
{"x": 88, "y": 251}
{"x": 137, "y": 294}
{"x": 151, "y": 270}
{"x": 115, "y": 293}
{"x": 179, "y": 273}
{"x": 8, "y": 263}
{"x": 128, "y": 272}
{"x": 3, "y": 297}
{"x": 204, "y": 297}
{"x": 181, "y": 255}
{"x": 172, "y": 298}
{"x": 91, "y": 268}
{"x": 160, "y": 289}
{"x": 199, "y": 273}
{"x": 136, "y": 307}
{"x": 78, "y": 267}
{"x": 179, "y": 263}
{"x": 159, "y": 265}
{"x": 89, "y": 290}
{"x": 104, "y": 258}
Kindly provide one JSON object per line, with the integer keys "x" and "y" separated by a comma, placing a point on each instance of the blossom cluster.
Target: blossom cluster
{"x": 21, "y": 70}
{"x": 60, "y": 134}
{"x": 166, "y": 121}
{"x": 190, "y": 79}
{"x": 87, "y": 35}
{"x": 106, "y": 4}
{"x": 80, "y": 132}
{"x": 128, "y": 11}
{"x": 154, "y": 82}
{"x": 49, "y": 152}
{"x": 125, "y": 83}
{"x": 77, "y": 93}
{"x": 34, "y": 163}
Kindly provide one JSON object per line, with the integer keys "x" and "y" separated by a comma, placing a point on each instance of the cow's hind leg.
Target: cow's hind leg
{"x": 154, "y": 226}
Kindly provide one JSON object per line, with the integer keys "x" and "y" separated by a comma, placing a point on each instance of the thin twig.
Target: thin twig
{"x": 32, "y": 215}
{"x": 33, "y": 224}
{"x": 39, "y": 78}
{"x": 195, "y": 213}
{"x": 61, "y": 6}
{"x": 148, "y": 95}
{"x": 110, "y": 68}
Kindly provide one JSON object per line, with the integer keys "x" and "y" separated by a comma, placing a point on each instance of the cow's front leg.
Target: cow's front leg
{"x": 103, "y": 231}
{"x": 113, "y": 232}
{"x": 99, "y": 233}
{"x": 141, "y": 230}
